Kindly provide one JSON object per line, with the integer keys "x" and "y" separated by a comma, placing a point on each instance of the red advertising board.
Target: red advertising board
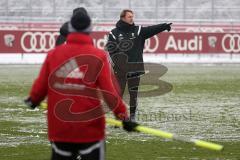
{"x": 176, "y": 27}
{"x": 33, "y": 41}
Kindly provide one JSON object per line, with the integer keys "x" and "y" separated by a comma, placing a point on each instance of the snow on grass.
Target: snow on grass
{"x": 204, "y": 103}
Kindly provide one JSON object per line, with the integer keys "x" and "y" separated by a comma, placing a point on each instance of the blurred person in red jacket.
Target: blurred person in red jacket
{"x": 74, "y": 76}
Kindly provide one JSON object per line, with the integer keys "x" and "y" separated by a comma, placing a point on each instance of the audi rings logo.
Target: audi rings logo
{"x": 231, "y": 43}
{"x": 151, "y": 47}
{"x": 38, "y": 41}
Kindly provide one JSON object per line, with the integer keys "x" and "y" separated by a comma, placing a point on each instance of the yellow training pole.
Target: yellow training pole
{"x": 159, "y": 133}
{"x": 163, "y": 134}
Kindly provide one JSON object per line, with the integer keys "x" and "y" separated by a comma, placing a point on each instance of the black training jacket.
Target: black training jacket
{"x": 129, "y": 40}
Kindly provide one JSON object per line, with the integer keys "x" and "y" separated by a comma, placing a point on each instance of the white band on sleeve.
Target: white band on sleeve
{"x": 113, "y": 35}
{"x": 139, "y": 29}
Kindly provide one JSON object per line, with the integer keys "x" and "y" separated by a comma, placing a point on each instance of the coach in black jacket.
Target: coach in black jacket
{"x": 125, "y": 46}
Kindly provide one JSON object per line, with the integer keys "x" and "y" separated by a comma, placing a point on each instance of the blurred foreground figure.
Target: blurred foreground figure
{"x": 73, "y": 77}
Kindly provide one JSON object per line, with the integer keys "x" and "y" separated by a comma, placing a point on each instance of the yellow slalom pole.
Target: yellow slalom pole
{"x": 163, "y": 134}
{"x": 142, "y": 129}
{"x": 159, "y": 133}
{"x": 43, "y": 106}
{"x": 208, "y": 145}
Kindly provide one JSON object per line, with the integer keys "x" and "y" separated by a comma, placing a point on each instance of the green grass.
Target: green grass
{"x": 131, "y": 149}
{"x": 203, "y": 104}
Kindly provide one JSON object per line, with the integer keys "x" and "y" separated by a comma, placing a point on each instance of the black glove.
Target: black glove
{"x": 29, "y": 103}
{"x": 129, "y": 125}
{"x": 168, "y": 27}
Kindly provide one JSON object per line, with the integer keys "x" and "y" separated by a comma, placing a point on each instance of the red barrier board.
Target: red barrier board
{"x": 25, "y": 41}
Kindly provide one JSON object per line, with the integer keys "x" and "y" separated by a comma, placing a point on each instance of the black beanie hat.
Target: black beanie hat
{"x": 80, "y": 19}
{"x": 79, "y": 9}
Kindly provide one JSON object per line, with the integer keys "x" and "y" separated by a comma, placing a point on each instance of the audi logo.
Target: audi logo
{"x": 231, "y": 43}
{"x": 149, "y": 47}
{"x": 38, "y": 41}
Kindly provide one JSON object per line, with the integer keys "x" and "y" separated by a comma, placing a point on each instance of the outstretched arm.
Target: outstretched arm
{"x": 150, "y": 31}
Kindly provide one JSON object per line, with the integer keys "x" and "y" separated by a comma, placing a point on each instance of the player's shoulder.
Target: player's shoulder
{"x": 114, "y": 31}
{"x": 50, "y": 54}
{"x": 137, "y": 27}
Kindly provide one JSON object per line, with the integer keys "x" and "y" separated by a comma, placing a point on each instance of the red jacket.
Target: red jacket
{"x": 72, "y": 77}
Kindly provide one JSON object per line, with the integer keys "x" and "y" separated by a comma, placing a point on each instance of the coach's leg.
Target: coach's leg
{"x": 133, "y": 84}
{"x": 122, "y": 81}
